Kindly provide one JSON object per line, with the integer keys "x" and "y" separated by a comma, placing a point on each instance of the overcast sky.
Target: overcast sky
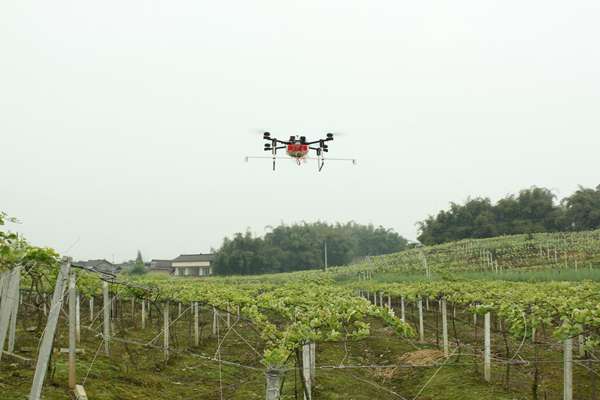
{"x": 124, "y": 124}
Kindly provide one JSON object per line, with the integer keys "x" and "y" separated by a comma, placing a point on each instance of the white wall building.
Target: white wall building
{"x": 193, "y": 265}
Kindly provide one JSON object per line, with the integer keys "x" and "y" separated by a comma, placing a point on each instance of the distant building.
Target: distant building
{"x": 161, "y": 266}
{"x": 99, "y": 265}
{"x": 193, "y": 265}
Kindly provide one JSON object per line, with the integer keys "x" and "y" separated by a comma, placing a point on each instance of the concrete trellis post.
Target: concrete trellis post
{"x": 445, "y": 326}
{"x": 48, "y": 337}
{"x": 307, "y": 370}
{"x": 215, "y": 323}
{"x": 78, "y": 318}
{"x": 107, "y": 309}
{"x": 3, "y": 284}
{"x": 313, "y": 360}
{"x": 487, "y": 354}
{"x": 91, "y": 309}
{"x": 274, "y": 377}
{"x": 196, "y": 324}
{"x": 143, "y": 314}
{"x": 228, "y": 317}
{"x": 581, "y": 343}
{"x": 166, "y": 330}
{"x": 421, "y": 329}
{"x": 7, "y": 308}
{"x": 568, "y": 369}
{"x": 72, "y": 330}
{"x": 402, "y": 310}
{"x": 389, "y": 302}
{"x": 12, "y": 331}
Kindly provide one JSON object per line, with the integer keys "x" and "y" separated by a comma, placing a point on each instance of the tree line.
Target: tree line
{"x": 532, "y": 210}
{"x": 287, "y": 248}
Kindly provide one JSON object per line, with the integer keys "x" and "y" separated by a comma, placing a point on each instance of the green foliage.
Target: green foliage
{"x": 138, "y": 258}
{"x": 301, "y": 246}
{"x": 583, "y": 209}
{"x": 532, "y": 210}
{"x": 138, "y": 269}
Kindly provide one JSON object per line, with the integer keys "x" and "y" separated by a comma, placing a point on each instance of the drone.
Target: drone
{"x": 298, "y": 149}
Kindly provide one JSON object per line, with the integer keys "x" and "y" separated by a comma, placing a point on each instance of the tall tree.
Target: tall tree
{"x": 531, "y": 210}
{"x": 583, "y": 209}
{"x": 301, "y": 246}
{"x": 138, "y": 258}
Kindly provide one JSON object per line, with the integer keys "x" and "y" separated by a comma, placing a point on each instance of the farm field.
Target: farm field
{"x": 411, "y": 325}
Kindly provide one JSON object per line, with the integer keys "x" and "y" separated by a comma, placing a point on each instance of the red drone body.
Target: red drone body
{"x": 298, "y": 148}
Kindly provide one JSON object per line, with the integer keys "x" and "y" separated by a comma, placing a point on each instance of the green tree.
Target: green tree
{"x": 583, "y": 209}
{"x": 531, "y": 210}
{"x": 301, "y": 246}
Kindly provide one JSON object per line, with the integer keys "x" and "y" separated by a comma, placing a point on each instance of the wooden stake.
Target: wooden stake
{"x": 48, "y": 337}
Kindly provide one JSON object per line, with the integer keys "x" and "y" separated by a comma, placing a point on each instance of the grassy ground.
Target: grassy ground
{"x": 135, "y": 372}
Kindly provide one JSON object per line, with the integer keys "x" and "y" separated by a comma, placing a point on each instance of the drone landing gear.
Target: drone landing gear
{"x": 320, "y": 159}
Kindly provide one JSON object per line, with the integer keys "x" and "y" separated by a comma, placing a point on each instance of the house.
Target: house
{"x": 161, "y": 266}
{"x": 99, "y": 265}
{"x": 193, "y": 265}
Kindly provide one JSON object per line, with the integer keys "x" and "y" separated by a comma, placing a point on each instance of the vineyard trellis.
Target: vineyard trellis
{"x": 292, "y": 312}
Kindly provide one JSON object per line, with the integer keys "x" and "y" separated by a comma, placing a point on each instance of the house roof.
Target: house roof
{"x": 93, "y": 263}
{"x": 101, "y": 265}
{"x": 194, "y": 257}
{"x": 161, "y": 264}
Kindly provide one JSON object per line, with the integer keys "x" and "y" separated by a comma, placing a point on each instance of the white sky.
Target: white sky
{"x": 123, "y": 124}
